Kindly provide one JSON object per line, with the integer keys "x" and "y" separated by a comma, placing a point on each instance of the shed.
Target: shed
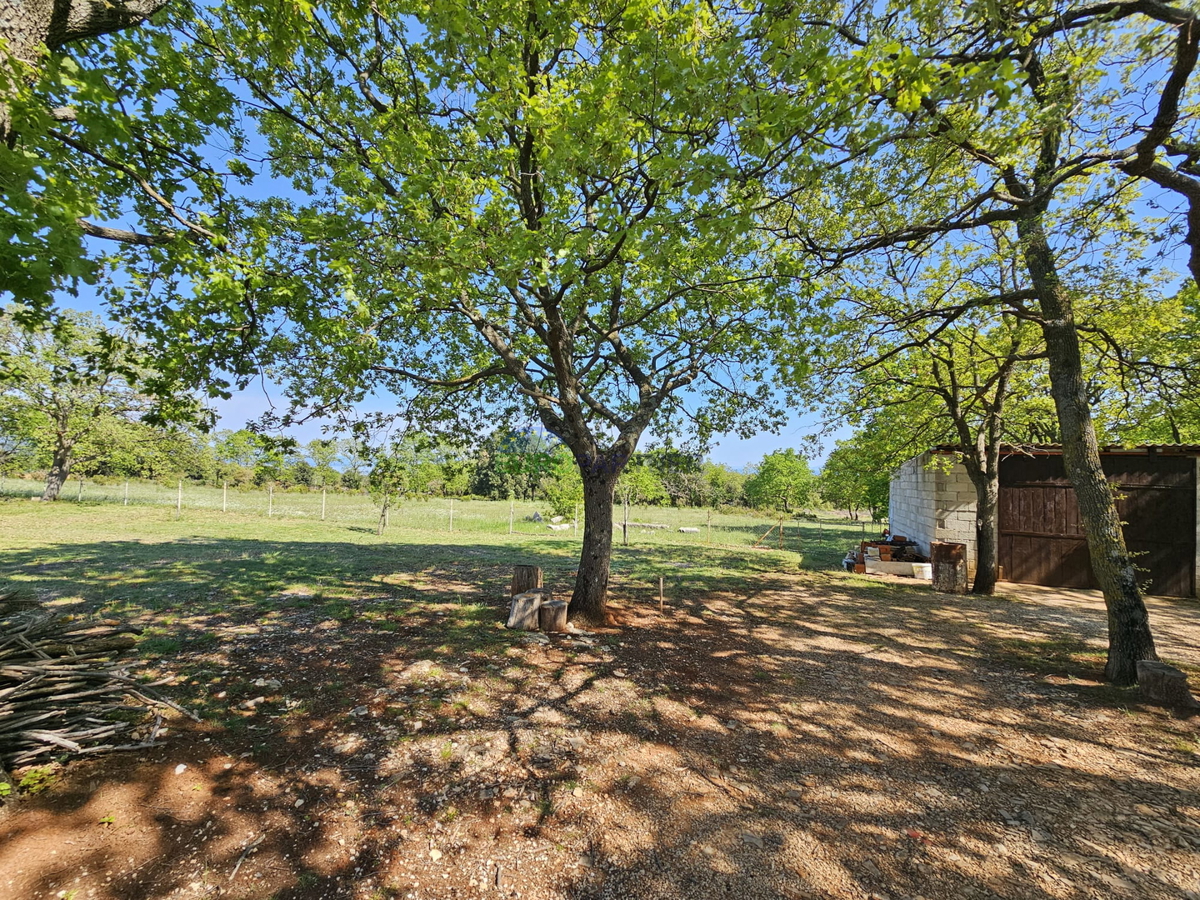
{"x": 1041, "y": 538}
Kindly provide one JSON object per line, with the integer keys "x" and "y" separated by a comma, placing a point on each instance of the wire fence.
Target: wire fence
{"x": 647, "y": 525}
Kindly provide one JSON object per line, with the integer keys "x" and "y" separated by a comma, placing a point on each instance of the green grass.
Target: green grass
{"x": 827, "y": 540}
{"x": 125, "y": 562}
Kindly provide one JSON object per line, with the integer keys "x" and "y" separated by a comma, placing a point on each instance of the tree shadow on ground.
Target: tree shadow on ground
{"x": 769, "y": 735}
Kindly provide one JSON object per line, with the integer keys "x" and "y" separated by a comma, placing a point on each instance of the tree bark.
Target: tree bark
{"x": 60, "y": 470}
{"x": 987, "y": 532}
{"x": 1129, "y": 637}
{"x": 589, "y": 601}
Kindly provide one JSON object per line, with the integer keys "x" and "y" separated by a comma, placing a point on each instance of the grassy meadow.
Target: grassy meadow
{"x": 145, "y": 559}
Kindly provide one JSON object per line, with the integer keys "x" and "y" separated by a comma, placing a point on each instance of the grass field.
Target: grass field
{"x": 145, "y": 555}
{"x": 443, "y": 517}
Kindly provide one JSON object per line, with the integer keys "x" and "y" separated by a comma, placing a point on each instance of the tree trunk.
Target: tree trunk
{"x": 525, "y": 578}
{"x": 987, "y": 532}
{"x": 1129, "y": 638}
{"x": 589, "y": 601}
{"x": 60, "y": 470}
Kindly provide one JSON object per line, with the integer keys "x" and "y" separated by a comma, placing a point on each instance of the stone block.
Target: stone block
{"x": 1164, "y": 685}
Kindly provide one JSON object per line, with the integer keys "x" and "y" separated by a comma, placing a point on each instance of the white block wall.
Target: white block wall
{"x": 927, "y": 503}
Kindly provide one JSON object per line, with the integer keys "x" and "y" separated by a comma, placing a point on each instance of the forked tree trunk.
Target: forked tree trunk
{"x": 589, "y": 601}
{"x": 1129, "y": 637}
{"x": 60, "y": 470}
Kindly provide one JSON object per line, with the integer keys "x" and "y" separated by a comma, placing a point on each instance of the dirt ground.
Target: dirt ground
{"x": 816, "y": 736}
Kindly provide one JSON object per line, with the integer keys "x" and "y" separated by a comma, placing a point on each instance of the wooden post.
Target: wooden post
{"x": 79, "y": 496}
{"x": 625, "y": 522}
{"x": 179, "y": 499}
{"x": 270, "y": 499}
{"x": 575, "y": 522}
{"x": 126, "y": 503}
{"x": 322, "y": 503}
{"x": 525, "y": 578}
{"x": 781, "y": 532}
{"x": 224, "y": 496}
{"x": 511, "y": 504}
{"x": 709, "y": 523}
{"x": 660, "y": 593}
{"x": 452, "y": 515}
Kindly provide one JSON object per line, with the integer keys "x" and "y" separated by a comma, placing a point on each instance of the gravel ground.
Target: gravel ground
{"x": 816, "y": 736}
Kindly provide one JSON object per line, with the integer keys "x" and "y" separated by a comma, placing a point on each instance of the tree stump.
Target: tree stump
{"x": 523, "y": 614}
{"x": 1164, "y": 685}
{"x": 552, "y": 615}
{"x": 525, "y": 578}
{"x": 949, "y": 567}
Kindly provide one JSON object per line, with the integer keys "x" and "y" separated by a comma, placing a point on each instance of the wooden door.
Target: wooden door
{"x": 1042, "y": 541}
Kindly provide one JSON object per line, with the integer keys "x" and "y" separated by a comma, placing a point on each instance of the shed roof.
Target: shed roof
{"x": 1109, "y": 450}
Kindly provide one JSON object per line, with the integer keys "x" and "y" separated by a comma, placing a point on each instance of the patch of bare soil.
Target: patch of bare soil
{"x": 815, "y": 738}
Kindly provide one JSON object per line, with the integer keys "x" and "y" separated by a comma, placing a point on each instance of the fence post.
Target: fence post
{"x": 575, "y": 521}
{"x": 270, "y": 499}
{"x": 79, "y": 495}
{"x": 710, "y": 526}
{"x": 126, "y": 503}
{"x": 224, "y": 496}
{"x": 781, "y": 532}
{"x": 452, "y": 515}
{"x": 322, "y": 503}
{"x": 179, "y": 499}
{"x": 511, "y": 503}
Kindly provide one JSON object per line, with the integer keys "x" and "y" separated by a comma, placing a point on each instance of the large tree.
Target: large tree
{"x": 782, "y": 480}
{"x": 514, "y": 209}
{"x": 985, "y": 114}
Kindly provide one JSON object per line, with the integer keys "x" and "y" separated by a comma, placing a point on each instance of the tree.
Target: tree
{"x": 925, "y": 347}
{"x": 63, "y": 382}
{"x": 1012, "y": 113}
{"x": 121, "y": 447}
{"x": 523, "y": 209}
{"x": 512, "y": 463}
{"x": 723, "y": 486}
{"x": 323, "y": 456}
{"x": 857, "y": 474}
{"x": 781, "y": 481}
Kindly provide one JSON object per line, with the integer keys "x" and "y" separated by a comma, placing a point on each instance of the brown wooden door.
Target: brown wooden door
{"x": 1042, "y": 541}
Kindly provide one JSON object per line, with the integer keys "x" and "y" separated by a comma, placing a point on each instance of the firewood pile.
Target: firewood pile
{"x": 64, "y": 689}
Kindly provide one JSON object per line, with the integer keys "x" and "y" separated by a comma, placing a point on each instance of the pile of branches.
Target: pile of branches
{"x": 64, "y": 689}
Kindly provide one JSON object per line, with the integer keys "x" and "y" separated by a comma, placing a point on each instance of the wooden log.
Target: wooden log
{"x": 525, "y": 578}
{"x": 523, "y": 615}
{"x": 949, "y": 567}
{"x": 552, "y": 615}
